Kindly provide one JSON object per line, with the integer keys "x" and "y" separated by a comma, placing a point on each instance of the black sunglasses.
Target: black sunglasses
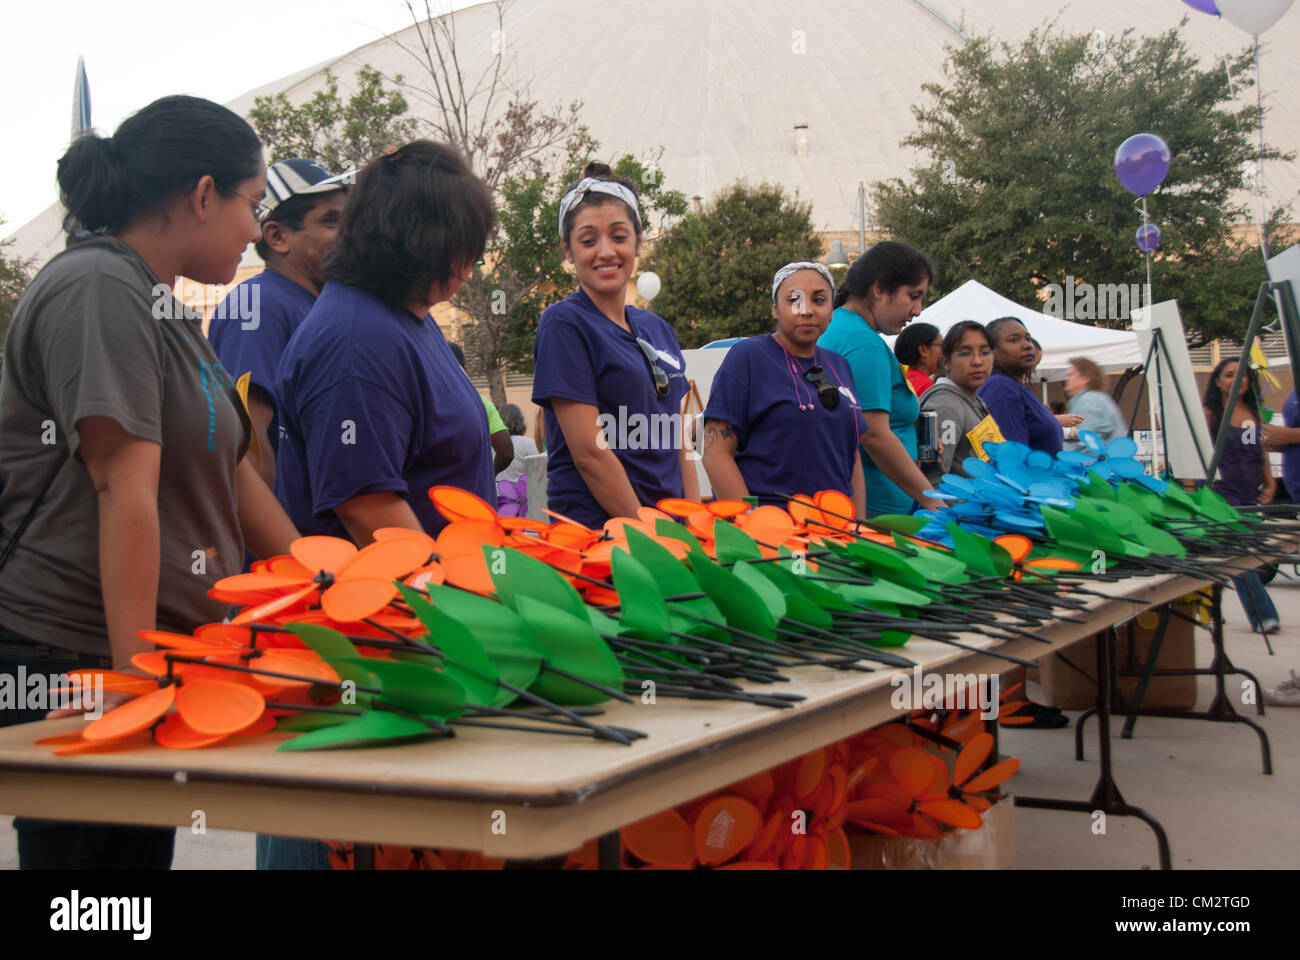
{"x": 660, "y": 377}
{"x": 827, "y": 392}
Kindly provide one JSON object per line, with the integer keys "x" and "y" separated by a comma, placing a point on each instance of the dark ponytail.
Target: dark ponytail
{"x": 602, "y": 171}
{"x": 907, "y": 348}
{"x": 889, "y": 263}
{"x": 162, "y": 150}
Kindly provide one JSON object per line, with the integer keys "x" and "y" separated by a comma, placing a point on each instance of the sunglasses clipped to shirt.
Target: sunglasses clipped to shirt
{"x": 827, "y": 392}
{"x": 662, "y": 385}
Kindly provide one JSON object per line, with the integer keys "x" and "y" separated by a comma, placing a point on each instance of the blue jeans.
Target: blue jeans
{"x": 1255, "y": 600}
{"x": 66, "y": 845}
{"x": 291, "y": 853}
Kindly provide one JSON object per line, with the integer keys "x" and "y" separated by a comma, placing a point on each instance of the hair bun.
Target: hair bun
{"x": 597, "y": 169}
{"x": 159, "y": 152}
{"x": 91, "y": 184}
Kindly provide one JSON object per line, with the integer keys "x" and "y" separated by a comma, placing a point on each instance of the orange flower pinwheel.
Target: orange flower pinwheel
{"x": 350, "y": 584}
{"x": 1019, "y": 547}
{"x": 203, "y": 689}
{"x": 913, "y": 794}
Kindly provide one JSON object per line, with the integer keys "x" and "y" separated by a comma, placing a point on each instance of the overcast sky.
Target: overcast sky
{"x": 139, "y": 50}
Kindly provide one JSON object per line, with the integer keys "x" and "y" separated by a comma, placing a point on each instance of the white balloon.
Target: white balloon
{"x": 1253, "y": 16}
{"x": 648, "y": 285}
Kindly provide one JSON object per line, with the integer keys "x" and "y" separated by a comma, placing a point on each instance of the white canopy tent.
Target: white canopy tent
{"x": 1061, "y": 339}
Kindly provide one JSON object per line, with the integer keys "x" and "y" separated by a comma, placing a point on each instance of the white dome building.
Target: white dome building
{"x": 721, "y": 85}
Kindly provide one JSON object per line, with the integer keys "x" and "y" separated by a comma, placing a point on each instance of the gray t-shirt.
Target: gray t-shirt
{"x": 524, "y": 447}
{"x": 97, "y": 334}
{"x": 1100, "y": 414}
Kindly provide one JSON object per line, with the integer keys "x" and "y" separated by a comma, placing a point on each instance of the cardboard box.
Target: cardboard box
{"x": 1064, "y": 687}
{"x": 991, "y": 847}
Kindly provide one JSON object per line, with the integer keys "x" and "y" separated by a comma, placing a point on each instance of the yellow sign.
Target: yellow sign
{"x": 986, "y": 431}
{"x": 1260, "y": 362}
{"x": 241, "y": 387}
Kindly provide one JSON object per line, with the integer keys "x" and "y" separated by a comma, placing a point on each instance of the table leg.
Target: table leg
{"x": 1220, "y": 709}
{"x": 991, "y": 726}
{"x": 1144, "y": 679}
{"x": 1106, "y": 797}
{"x": 609, "y": 852}
{"x": 363, "y": 856}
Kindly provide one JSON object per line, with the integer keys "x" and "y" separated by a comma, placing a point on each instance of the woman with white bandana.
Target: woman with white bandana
{"x": 783, "y": 417}
{"x": 610, "y": 377}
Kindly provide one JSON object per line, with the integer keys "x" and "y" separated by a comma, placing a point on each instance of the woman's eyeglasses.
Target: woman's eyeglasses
{"x": 827, "y": 392}
{"x": 662, "y": 385}
{"x": 261, "y": 208}
{"x": 984, "y": 354}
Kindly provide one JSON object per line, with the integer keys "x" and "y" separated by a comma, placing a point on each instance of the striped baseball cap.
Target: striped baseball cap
{"x": 296, "y": 177}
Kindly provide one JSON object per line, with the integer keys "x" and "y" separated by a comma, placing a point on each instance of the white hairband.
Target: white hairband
{"x": 591, "y": 184}
{"x": 789, "y": 268}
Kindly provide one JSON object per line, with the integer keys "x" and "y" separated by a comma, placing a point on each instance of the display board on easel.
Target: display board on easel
{"x": 1286, "y": 267}
{"x": 1173, "y": 398}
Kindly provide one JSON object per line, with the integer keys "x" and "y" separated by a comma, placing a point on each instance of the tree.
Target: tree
{"x": 526, "y": 153}
{"x": 717, "y": 265}
{"x": 339, "y": 135}
{"x": 1019, "y": 188}
{"x": 15, "y": 274}
{"x": 491, "y": 118}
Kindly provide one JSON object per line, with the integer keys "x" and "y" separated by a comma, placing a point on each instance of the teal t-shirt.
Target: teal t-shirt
{"x": 881, "y": 385}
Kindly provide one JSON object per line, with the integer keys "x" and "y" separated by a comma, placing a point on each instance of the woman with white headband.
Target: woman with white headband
{"x": 610, "y": 377}
{"x": 783, "y": 416}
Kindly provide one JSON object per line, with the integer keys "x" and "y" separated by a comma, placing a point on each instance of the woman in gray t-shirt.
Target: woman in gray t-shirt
{"x": 125, "y": 493}
{"x": 968, "y": 358}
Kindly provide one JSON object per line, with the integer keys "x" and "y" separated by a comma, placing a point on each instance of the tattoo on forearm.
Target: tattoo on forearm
{"x": 715, "y": 432}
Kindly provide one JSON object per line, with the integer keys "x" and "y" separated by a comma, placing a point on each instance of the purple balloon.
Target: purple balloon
{"x": 1205, "y": 6}
{"x": 1148, "y": 237}
{"x": 1141, "y": 163}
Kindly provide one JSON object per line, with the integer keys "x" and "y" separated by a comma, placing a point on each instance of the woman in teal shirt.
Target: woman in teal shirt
{"x": 883, "y": 290}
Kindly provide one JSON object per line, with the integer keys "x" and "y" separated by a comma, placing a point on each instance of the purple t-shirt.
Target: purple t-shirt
{"x": 1291, "y": 452}
{"x": 583, "y": 356}
{"x": 372, "y": 400}
{"x": 249, "y": 330}
{"x": 1020, "y": 415}
{"x": 1241, "y": 467}
{"x": 781, "y": 449}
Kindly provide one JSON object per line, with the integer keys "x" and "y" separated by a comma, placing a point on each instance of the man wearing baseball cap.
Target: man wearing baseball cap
{"x": 249, "y": 329}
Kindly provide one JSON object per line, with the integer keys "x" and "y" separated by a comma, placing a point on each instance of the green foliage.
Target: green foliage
{"x": 717, "y": 266}
{"x": 1019, "y": 189}
{"x": 524, "y": 267}
{"x": 15, "y": 274}
{"x": 338, "y": 134}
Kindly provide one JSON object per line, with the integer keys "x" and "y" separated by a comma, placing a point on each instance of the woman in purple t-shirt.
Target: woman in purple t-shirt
{"x": 783, "y": 416}
{"x": 374, "y": 405}
{"x": 610, "y": 377}
{"x": 1019, "y": 414}
{"x": 1244, "y": 476}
